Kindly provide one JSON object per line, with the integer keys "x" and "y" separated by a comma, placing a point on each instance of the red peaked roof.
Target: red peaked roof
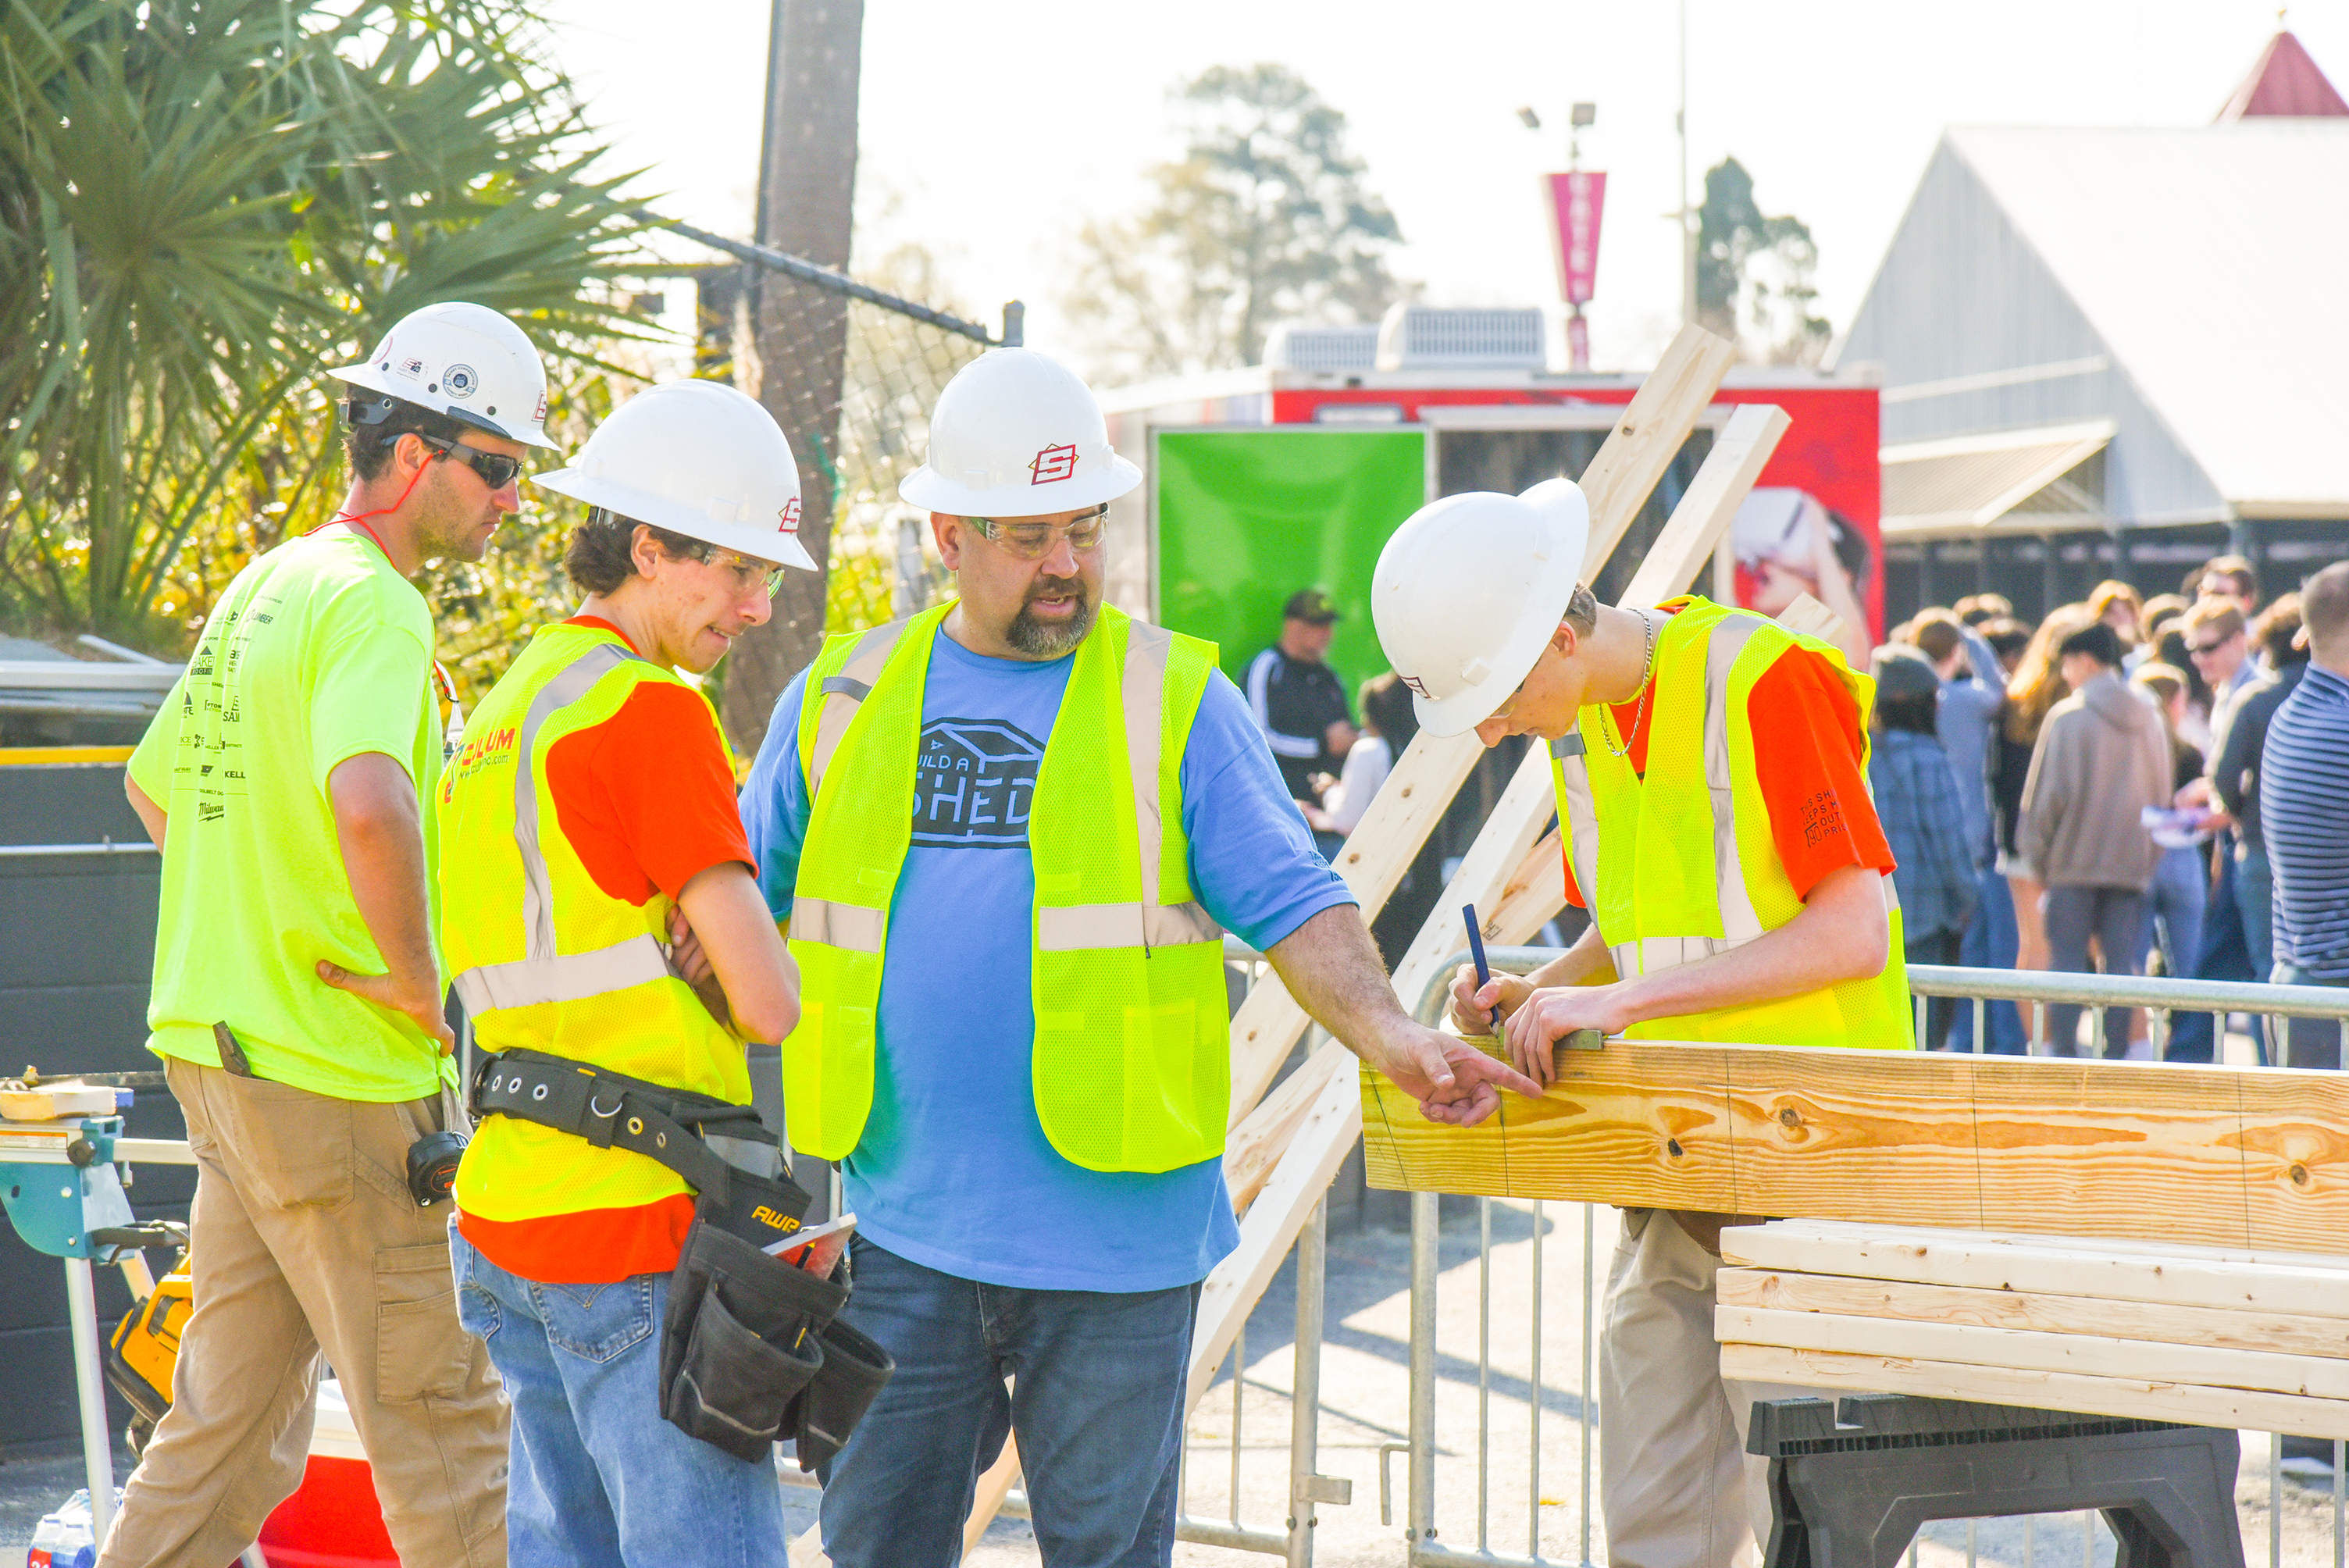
{"x": 2285, "y": 82}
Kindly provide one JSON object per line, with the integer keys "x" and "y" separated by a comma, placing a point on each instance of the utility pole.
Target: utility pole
{"x": 1686, "y": 216}
{"x": 799, "y": 337}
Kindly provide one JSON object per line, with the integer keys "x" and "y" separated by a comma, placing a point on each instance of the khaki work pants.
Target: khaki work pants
{"x": 1679, "y": 1489}
{"x": 303, "y": 1238}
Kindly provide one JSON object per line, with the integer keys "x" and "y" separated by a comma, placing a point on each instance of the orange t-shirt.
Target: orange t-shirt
{"x": 646, "y": 800}
{"x": 1807, "y": 758}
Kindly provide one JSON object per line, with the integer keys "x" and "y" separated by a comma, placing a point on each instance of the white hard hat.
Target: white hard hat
{"x": 1016, "y": 434}
{"x": 466, "y": 361}
{"x": 1468, "y": 591}
{"x": 699, "y": 458}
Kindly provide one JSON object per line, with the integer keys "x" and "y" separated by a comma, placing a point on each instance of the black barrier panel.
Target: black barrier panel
{"x": 77, "y": 951}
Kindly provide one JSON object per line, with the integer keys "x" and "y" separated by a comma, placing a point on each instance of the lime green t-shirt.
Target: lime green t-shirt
{"x": 318, "y": 651}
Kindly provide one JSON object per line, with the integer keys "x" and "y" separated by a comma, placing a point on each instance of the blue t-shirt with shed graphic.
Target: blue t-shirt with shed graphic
{"x": 953, "y": 1171}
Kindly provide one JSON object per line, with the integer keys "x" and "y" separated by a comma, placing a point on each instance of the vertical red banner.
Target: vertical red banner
{"x": 1576, "y": 202}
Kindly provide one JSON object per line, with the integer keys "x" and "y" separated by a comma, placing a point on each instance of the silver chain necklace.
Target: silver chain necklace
{"x": 1647, "y": 664}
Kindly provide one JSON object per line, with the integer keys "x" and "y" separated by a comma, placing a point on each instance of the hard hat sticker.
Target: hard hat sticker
{"x": 540, "y": 418}
{"x": 412, "y": 368}
{"x": 460, "y": 381}
{"x": 1053, "y": 463}
{"x": 791, "y": 515}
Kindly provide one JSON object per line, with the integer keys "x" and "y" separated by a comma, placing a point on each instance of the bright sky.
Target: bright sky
{"x": 990, "y": 133}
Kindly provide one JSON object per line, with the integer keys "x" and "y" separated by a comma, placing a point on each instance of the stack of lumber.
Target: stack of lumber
{"x": 2217, "y": 1337}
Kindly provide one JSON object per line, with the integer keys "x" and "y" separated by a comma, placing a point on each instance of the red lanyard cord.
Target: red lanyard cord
{"x": 357, "y": 520}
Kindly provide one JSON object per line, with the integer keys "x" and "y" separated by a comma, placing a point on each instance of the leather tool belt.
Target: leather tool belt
{"x": 751, "y": 1349}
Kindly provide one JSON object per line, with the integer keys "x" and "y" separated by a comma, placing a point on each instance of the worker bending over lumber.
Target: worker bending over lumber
{"x": 1008, "y": 836}
{"x": 298, "y": 997}
{"x": 609, "y": 942}
{"x": 1711, "y": 773}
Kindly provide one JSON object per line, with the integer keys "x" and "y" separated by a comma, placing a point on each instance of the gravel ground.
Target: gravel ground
{"x": 1365, "y": 1403}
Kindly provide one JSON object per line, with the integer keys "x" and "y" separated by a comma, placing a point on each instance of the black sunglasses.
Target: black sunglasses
{"x": 496, "y": 469}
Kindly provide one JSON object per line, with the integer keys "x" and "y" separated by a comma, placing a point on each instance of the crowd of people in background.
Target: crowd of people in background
{"x": 2132, "y": 787}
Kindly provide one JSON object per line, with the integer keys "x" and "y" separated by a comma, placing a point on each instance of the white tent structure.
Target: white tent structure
{"x": 2113, "y": 353}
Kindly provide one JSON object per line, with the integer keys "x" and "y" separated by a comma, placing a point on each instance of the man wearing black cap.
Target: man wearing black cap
{"x": 1297, "y": 700}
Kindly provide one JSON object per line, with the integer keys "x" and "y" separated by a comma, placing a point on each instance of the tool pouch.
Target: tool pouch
{"x": 750, "y": 1353}
{"x": 854, "y": 1373}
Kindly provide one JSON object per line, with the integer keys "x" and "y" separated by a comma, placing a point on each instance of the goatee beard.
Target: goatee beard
{"x": 1049, "y": 640}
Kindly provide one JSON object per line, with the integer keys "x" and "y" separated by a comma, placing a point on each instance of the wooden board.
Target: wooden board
{"x": 1373, "y": 861}
{"x": 2142, "y": 1397}
{"x": 1256, "y": 1144}
{"x": 2030, "y": 1350}
{"x": 1667, "y": 405}
{"x": 1299, "y": 1182}
{"x": 987, "y": 1497}
{"x": 2233, "y": 1279}
{"x": 1812, "y": 618}
{"x": 2225, "y": 1328}
{"x": 2165, "y": 1151}
{"x": 1645, "y": 440}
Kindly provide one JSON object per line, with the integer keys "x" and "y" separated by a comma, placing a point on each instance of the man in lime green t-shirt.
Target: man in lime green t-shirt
{"x": 297, "y": 997}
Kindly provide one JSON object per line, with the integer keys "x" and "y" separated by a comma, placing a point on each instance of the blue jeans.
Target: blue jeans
{"x": 2180, "y": 888}
{"x": 2255, "y": 896}
{"x": 2224, "y": 956}
{"x": 1096, "y": 1401}
{"x": 597, "y": 1476}
{"x": 1990, "y": 942}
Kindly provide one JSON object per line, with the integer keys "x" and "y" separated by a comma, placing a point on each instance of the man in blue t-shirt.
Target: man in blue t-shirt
{"x": 982, "y": 1253}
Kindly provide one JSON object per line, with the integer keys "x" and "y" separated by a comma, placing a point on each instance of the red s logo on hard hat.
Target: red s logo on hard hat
{"x": 791, "y": 515}
{"x": 1053, "y": 463}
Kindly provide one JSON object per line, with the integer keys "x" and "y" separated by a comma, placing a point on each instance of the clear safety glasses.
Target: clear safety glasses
{"x": 1034, "y": 540}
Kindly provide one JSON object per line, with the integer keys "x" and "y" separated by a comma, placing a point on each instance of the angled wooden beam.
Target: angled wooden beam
{"x": 1517, "y": 883}
{"x": 1651, "y": 431}
{"x": 1257, "y": 1143}
{"x": 2164, "y": 1152}
{"x": 1376, "y": 856}
{"x": 993, "y": 1487}
{"x": 1298, "y": 1182}
{"x": 1413, "y": 798}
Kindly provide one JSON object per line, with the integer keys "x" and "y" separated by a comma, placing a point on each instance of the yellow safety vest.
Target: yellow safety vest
{"x": 1132, "y": 1058}
{"x": 545, "y": 959}
{"x": 1680, "y": 865}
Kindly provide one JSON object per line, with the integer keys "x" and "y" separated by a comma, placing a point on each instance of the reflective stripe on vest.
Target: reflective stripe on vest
{"x": 1727, "y": 634}
{"x": 837, "y": 925}
{"x": 545, "y": 975}
{"x": 842, "y": 692}
{"x": 547, "y": 958}
{"x": 1130, "y": 1059}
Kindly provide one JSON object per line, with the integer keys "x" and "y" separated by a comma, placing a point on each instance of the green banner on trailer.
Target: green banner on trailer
{"x": 1241, "y": 518}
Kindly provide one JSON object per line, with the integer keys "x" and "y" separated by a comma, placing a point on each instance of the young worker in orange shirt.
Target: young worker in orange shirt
{"x": 1712, "y": 775}
{"x": 588, "y": 815}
